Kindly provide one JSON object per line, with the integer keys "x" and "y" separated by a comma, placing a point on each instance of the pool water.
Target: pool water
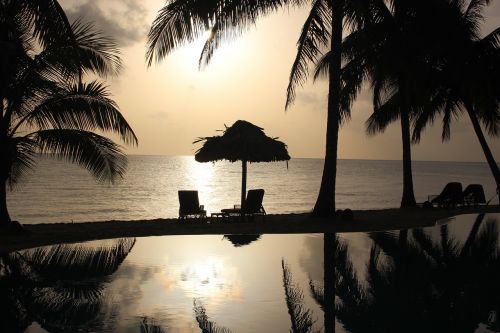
{"x": 439, "y": 279}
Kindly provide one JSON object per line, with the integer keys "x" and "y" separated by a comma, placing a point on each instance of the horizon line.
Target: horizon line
{"x": 322, "y": 158}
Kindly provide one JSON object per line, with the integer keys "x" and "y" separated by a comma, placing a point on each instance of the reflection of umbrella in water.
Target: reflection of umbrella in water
{"x": 243, "y": 142}
{"x": 240, "y": 240}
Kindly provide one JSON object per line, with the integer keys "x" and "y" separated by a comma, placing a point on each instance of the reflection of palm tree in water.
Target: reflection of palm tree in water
{"x": 417, "y": 284}
{"x": 60, "y": 287}
{"x": 339, "y": 280}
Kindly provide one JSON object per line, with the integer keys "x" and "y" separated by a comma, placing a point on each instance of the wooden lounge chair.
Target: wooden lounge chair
{"x": 474, "y": 195}
{"x": 451, "y": 196}
{"x": 251, "y": 207}
{"x": 189, "y": 206}
{"x": 253, "y": 203}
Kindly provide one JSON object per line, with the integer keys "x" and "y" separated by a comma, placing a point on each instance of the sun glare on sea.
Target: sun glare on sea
{"x": 201, "y": 174}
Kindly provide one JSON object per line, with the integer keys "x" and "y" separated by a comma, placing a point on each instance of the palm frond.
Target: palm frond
{"x": 352, "y": 76}
{"x": 99, "y": 155}
{"x": 428, "y": 114}
{"x": 31, "y": 89}
{"x": 301, "y": 319}
{"x": 322, "y": 68}
{"x": 490, "y": 117}
{"x": 314, "y": 36}
{"x": 22, "y": 161}
{"x": 62, "y": 308}
{"x": 211, "y": 44}
{"x": 383, "y": 116}
{"x": 388, "y": 242}
{"x": 68, "y": 262}
{"x": 377, "y": 275}
{"x": 466, "y": 248}
{"x": 96, "y": 52}
{"x": 449, "y": 113}
{"x": 485, "y": 246}
{"x": 81, "y": 106}
{"x": 448, "y": 244}
{"x": 49, "y": 21}
{"x": 347, "y": 287}
{"x": 204, "y": 323}
{"x": 426, "y": 243}
{"x": 473, "y": 15}
{"x": 148, "y": 326}
{"x": 491, "y": 40}
{"x": 317, "y": 293}
{"x": 183, "y": 21}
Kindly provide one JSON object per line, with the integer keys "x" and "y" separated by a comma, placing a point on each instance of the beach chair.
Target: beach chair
{"x": 474, "y": 195}
{"x": 451, "y": 196}
{"x": 251, "y": 207}
{"x": 253, "y": 203}
{"x": 189, "y": 206}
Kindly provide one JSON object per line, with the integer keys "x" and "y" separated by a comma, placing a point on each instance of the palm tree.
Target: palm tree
{"x": 181, "y": 21}
{"x": 389, "y": 51}
{"x": 45, "y": 105}
{"x": 465, "y": 76}
{"x": 61, "y": 287}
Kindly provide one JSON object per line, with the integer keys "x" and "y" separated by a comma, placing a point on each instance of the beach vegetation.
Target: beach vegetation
{"x": 180, "y": 22}
{"x": 393, "y": 45}
{"x": 464, "y": 77}
{"x": 46, "y": 105}
{"x": 388, "y": 52}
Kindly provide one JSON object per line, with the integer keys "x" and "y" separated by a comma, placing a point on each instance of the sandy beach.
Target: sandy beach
{"x": 364, "y": 221}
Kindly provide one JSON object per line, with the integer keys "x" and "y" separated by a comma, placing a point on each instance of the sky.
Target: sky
{"x": 172, "y": 103}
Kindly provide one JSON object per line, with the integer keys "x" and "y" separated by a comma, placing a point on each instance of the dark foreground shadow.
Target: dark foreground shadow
{"x": 417, "y": 281}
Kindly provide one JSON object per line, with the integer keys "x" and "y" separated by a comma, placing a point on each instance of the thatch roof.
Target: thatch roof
{"x": 242, "y": 141}
{"x": 241, "y": 240}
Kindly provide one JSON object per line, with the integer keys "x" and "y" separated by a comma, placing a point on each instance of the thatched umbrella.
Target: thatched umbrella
{"x": 243, "y": 142}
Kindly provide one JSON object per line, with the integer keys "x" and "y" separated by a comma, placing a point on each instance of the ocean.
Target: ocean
{"x": 61, "y": 192}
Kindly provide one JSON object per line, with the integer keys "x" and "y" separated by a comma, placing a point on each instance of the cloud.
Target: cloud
{"x": 312, "y": 99}
{"x": 125, "y": 21}
{"x": 158, "y": 115}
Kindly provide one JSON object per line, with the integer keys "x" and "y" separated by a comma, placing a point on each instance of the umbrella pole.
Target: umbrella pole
{"x": 243, "y": 182}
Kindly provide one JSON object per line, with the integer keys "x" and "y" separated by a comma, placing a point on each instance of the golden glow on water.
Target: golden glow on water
{"x": 201, "y": 174}
{"x": 209, "y": 278}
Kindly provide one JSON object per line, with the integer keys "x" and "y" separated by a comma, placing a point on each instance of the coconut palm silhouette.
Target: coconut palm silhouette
{"x": 46, "y": 106}
{"x": 60, "y": 287}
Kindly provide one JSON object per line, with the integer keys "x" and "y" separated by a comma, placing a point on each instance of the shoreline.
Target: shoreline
{"x": 364, "y": 221}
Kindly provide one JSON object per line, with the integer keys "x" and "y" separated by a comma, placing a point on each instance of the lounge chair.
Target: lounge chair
{"x": 474, "y": 195}
{"x": 251, "y": 207}
{"x": 189, "y": 205}
{"x": 451, "y": 196}
{"x": 253, "y": 203}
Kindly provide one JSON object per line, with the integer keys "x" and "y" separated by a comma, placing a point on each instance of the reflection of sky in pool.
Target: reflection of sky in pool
{"x": 240, "y": 288}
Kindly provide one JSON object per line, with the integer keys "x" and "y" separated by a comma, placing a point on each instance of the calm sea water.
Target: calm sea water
{"x": 61, "y": 192}
{"x": 441, "y": 279}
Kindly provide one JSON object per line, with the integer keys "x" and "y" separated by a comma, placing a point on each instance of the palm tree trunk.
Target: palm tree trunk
{"x": 408, "y": 199}
{"x": 329, "y": 250}
{"x": 325, "y": 204}
{"x": 484, "y": 145}
{"x": 4, "y": 213}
